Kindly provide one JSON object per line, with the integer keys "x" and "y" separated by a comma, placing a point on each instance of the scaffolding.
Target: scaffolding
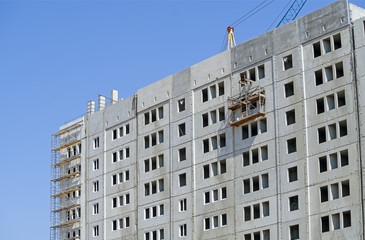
{"x": 248, "y": 105}
{"x": 63, "y": 182}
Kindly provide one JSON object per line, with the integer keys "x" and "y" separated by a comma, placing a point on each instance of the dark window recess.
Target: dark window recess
{"x": 205, "y": 95}
{"x": 322, "y": 164}
{"x": 320, "y": 105}
{"x": 321, "y": 135}
{"x": 293, "y": 174}
{"x": 318, "y": 77}
{"x": 339, "y": 69}
{"x": 289, "y": 89}
{"x": 292, "y": 145}
{"x": 325, "y": 224}
{"x": 245, "y": 132}
{"x": 337, "y": 41}
{"x": 324, "y": 194}
{"x": 317, "y": 49}
{"x": 288, "y": 62}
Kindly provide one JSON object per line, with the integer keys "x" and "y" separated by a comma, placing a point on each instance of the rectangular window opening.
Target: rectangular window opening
{"x": 221, "y": 88}
{"x": 181, "y": 105}
{"x": 336, "y": 221}
{"x": 346, "y": 219}
{"x": 213, "y": 92}
{"x": 324, "y": 194}
{"x": 341, "y": 100}
{"x": 294, "y": 232}
{"x": 246, "y": 158}
{"x": 261, "y": 71}
{"x": 246, "y": 186}
{"x": 214, "y": 142}
{"x": 344, "y": 158}
{"x": 333, "y": 161}
{"x": 293, "y": 174}
{"x": 213, "y": 116}
{"x": 322, "y": 164}
{"x": 265, "y": 180}
{"x": 290, "y": 117}
{"x": 153, "y": 115}
{"x": 288, "y": 62}
{"x": 247, "y": 213}
{"x": 245, "y": 134}
{"x": 345, "y": 188}
{"x": 182, "y": 154}
{"x": 182, "y": 180}
{"x": 253, "y": 129}
{"x": 327, "y": 45}
{"x": 256, "y": 211}
{"x": 255, "y": 184}
{"x": 334, "y": 191}
{"x": 205, "y": 120}
{"x": 293, "y": 203}
{"x": 317, "y": 49}
{"x": 321, "y": 135}
{"x": 291, "y": 145}
{"x": 204, "y": 95}
{"x": 252, "y": 74}
{"x": 289, "y": 89}
{"x": 255, "y": 155}
{"x": 222, "y": 140}
{"x": 337, "y": 41}
{"x": 330, "y": 102}
{"x": 222, "y": 115}
{"x": 339, "y": 70}
{"x": 329, "y": 73}
{"x": 325, "y": 222}
{"x": 182, "y": 130}
{"x": 265, "y": 209}
{"x": 206, "y": 145}
{"x": 318, "y": 77}
{"x": 343, "y": 128}
{"x": 264, "y": 153}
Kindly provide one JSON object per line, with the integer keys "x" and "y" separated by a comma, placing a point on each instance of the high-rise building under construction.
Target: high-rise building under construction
{"x": 263, "y": 141}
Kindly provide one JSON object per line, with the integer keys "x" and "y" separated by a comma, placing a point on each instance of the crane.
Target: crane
{"x": 292, "y": 12}
{"x": 289, "y": 16}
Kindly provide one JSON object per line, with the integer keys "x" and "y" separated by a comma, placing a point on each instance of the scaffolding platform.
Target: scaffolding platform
{"x": 247, "y": 106}
{"x": 66, "y": 224}
{"x": 67, "y": 144}
{"x": 66, "y": 192}
{"x": 66, "y": 208}
{"x": 67, "y": 130}
{"x": 66, "y": 161}
{"x": 66, "y": 176}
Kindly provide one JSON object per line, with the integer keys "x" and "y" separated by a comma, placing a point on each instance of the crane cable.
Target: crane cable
{"x": 252, "y": 12}
{"x": 286, "y": 7}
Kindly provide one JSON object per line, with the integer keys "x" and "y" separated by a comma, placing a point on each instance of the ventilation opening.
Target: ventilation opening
{"x": 321, "y": 135}
{"x": 318, "y": 77}
{"x": 320, "y": 106}
{"x": 337, "y": 41}
{"x": 261, "y": 70}
{"x": 327, "y": 45}
{"x": 317, "y": 49}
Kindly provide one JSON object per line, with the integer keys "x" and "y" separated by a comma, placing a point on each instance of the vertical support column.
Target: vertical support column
{"x": 114, "y": 96}
{"x": 101, "y": 103}
{"x": 90, "y": 107}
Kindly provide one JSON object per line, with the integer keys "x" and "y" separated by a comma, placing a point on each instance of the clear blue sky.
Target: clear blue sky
{"x": 57, "y": 55}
